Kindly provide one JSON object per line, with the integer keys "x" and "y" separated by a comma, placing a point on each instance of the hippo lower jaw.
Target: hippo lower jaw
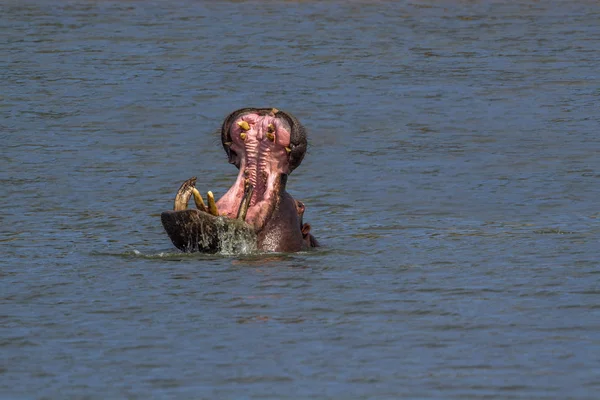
{"x": 256, "y": 212}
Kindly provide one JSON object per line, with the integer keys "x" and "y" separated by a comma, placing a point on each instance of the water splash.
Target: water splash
{"x": 234, "y": 240}
{"x": 222, "y": 236}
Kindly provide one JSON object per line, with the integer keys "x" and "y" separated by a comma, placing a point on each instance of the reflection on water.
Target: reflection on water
{"x": 452, "y": 177}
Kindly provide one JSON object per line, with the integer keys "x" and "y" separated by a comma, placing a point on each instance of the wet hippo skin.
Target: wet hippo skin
{"x": 256, "y": 213}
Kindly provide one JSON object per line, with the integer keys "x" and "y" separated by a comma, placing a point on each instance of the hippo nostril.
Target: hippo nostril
{"x": 270, "y": 136}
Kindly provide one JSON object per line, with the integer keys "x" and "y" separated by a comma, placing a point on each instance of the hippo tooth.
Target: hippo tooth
{"x": 243, "y": 210}
{"x": 274, "y": 111}
{"x": 212, "y": 206}
{"x": 270, "y": 136}
{"x": 271, "y": 128}
{"x": 228, "y": 143}
{"x": 198, "y": 200}
{"x": 244, "y": 125}
{"x": 243, "y": 135}
{"x": 288, "y": 150}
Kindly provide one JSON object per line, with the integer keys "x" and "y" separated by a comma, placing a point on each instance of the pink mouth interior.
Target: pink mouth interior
{"x": 263, "y": 162}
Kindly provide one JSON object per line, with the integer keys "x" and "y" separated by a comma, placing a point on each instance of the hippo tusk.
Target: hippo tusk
{"x": 212, "y": 206}
{"x": 183, "y": 194}
{"x": 198, "y": 200}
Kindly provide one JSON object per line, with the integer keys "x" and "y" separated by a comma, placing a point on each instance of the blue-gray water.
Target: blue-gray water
{"x": 453, "y": 176}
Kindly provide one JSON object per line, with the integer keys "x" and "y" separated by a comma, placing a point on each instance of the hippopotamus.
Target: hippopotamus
{"x": 256, "y": 213}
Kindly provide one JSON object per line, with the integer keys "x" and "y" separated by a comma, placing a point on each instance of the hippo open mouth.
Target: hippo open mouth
{"x": 266, "y": 145}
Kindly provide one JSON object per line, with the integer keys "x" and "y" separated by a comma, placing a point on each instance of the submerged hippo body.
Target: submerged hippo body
{"x": 256, "y": 213}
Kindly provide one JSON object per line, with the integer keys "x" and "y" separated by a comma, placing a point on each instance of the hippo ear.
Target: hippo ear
{"x": 298, "y": 140}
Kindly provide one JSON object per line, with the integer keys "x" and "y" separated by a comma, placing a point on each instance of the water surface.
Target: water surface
{"x": 453, "y": 177}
